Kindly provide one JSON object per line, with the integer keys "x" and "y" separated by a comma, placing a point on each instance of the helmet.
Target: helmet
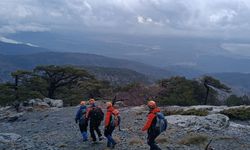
{"x": 109, "y": 104}
{"x": 82, "y": 103}
{"x": 91, "y": 101}
{"x": 151, "y": 104}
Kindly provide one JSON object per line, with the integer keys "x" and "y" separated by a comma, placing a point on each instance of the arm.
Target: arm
{"x": 78, "y": 115}
{"x": 107, "y": 119}
{"x": 88, "y": 112}
{"x": 149, "y": 122}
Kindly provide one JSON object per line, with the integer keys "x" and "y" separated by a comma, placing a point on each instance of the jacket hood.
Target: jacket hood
{"x": 110, "y": 109}
{"x": 156, "y": 110}
{"x": 83, "y": 107}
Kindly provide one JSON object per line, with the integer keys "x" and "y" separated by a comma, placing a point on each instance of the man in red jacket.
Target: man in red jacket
{"x": 150, "y": 126}
{"x": 110, "y": 124}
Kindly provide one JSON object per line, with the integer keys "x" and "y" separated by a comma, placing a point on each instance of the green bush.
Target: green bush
{"x": 196, "y": 112}
{"x": 242, "y": 113}
{"x": 184, "y": 92}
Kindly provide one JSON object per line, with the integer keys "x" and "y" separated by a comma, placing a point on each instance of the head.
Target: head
{"x": 151, "y": 104}
{"x": 82, "y": 103}
{"x": 92, "y": 101}
{"x": 109, "y": 104}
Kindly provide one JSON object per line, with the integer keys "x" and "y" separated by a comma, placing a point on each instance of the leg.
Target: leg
{"x": 151, "y": 141}
{"x": 85, "y": 133}
{"x": 98, "y": 131}
{"x": 92, "y": 133}
{"x": 108, "y": 135}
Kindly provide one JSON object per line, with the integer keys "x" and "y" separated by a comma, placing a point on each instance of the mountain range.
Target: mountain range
{"x": 22, "y": 56}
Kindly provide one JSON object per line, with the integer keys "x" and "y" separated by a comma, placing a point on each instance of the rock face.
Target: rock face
{"x": 9, "y": 137}
{"x": 212, "y": 122}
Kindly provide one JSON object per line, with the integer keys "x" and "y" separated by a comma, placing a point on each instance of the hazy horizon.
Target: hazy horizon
{"x": 157, "y": 32}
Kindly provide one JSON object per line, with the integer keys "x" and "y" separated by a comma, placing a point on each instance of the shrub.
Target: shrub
{"x": 196, "y": 112}
{"x": 241, "y": 113}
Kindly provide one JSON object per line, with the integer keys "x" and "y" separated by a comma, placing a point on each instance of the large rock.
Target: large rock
{"x": 35, "y": 102}
{"x": 54, "y": 103}
{"x": 197, "y": 123}
{"x": 14, "y": 117}
{"x": 9, "y": 137}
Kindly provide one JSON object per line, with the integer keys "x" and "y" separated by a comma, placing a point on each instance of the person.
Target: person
{"x": 82, "y": 120}
{"x": 112, "y": 120}
{"x": 95, "y": 116}
{"x": 150, "y": 126}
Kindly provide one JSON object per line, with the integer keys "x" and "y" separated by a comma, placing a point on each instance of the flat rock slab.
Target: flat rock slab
{"x": 195, "y": 123}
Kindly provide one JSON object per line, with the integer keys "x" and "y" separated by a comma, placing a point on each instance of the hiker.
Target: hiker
{"x": 156, "y": 123}
{"x": 112, "y": 120}
{"x": 82, "y": 120}
{"x": 95, "y": 116}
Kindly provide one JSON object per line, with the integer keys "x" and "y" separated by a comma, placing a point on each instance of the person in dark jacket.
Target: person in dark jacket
{"x": 95, "y": 116}
{"x": 150, "y": 126}
{"x": 109, "y": 127}
{"x": 82, "y": 120}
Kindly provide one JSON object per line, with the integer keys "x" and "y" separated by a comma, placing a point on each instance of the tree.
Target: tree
{"x": 61, "y": 76}
{"x": 182, "y": 91}
{"x": 210, "y": 82}
{"x": 18, "y": 76}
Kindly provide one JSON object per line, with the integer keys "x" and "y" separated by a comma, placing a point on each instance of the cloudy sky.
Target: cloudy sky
{"x": 199, "y": 18}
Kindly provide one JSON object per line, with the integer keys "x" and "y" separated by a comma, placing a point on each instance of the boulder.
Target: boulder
{"x": 34, "y": 102}
{"x": 9, "y": 137}
{"x": 54, "y": 103}
{"x": 14, "y": 117}
{"x": 212, "y": 122}
{"x": 57, "y": 103}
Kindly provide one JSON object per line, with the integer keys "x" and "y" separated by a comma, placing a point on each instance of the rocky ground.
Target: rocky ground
{"x": 54, "y": 128}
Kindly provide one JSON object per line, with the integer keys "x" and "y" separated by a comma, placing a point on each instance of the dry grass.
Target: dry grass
{"x": 194, "y": 139}
{"x": 135, "y": 141}
{"x": 162, "y": 140}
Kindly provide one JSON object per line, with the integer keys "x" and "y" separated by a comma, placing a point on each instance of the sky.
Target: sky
{"x": 198, "y": 18}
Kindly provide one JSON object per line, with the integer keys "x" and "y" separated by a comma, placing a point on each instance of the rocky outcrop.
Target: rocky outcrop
{"x": 54, "y": 103}
{"x": 212, "y": 122}
{"x": 46, "y": 102}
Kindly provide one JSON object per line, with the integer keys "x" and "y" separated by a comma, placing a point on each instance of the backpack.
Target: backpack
{"x": 115, "y": 118}
{"x": 82, "y": 119}
{"x": 97, "y": 113}
{"x": 161, "y": 122}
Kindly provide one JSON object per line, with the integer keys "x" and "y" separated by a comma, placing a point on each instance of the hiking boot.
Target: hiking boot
{"x": 100, "y": 138}
{"x": 85, "y": 140}
{"x": 113, "y": 146}
{"x": 94, "y": 142}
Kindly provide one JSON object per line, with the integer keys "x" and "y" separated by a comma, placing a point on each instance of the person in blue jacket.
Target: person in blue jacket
{"x": 82, "y": 120}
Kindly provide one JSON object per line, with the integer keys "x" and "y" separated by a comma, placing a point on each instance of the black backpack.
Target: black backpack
{"x": 82, "y": 119}
{"x": 97, "y": 114}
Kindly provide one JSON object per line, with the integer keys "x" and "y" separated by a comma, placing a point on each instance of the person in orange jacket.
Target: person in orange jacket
{"x": 150, "y": 126}
{"x": 110, "y": 124}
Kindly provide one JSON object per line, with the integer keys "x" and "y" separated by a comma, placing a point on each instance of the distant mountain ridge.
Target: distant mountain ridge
{"x": 19, "y": 49}
{"x": 240, "y": 81}
{"x": 9, "y": 63}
